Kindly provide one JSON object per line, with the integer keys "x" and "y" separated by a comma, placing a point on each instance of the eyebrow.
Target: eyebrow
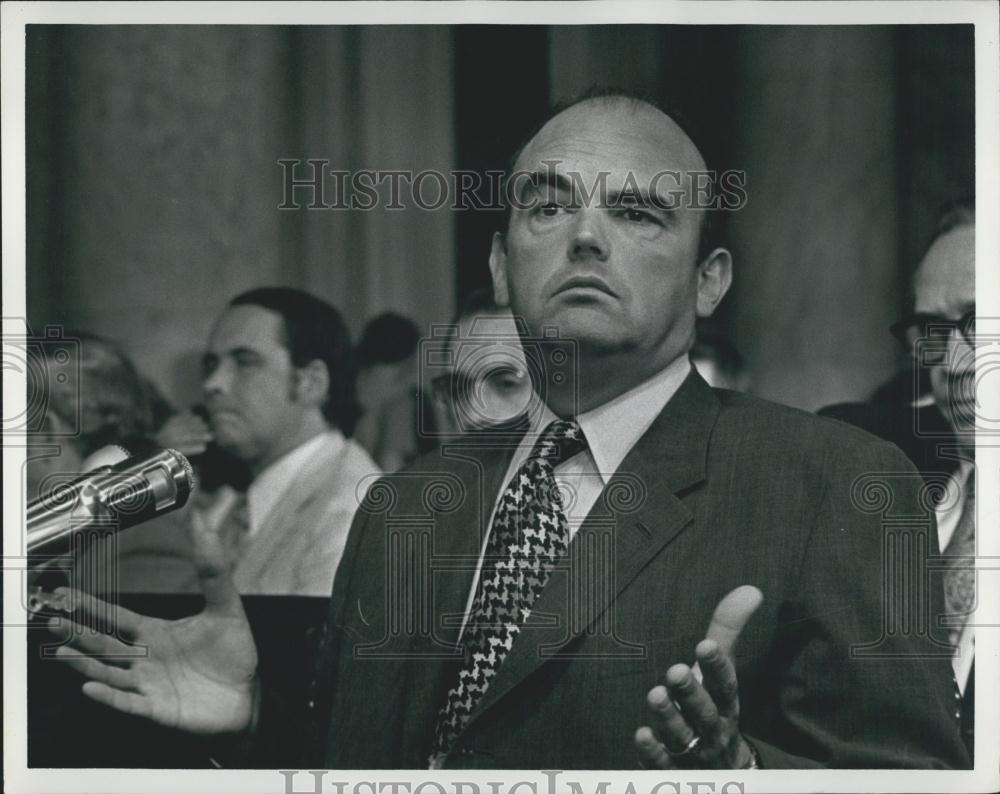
{"x": 209, "y": 355}
{"x": 546, "y": 178}
{"x": 641, "y": 197}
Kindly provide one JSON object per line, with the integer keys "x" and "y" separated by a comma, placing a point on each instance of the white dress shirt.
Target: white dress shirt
{"x": 611, "y": 431}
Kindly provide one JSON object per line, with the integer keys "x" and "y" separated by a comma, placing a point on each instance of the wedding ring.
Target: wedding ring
{"x": 690, "y": 748}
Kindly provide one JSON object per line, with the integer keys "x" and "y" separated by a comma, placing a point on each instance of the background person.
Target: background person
{"x": 929, "y": 411}
{"x": 482, "y": 381}
{"x": 100, "y": 399}
{"x": 388, "y": 391}
{"x": 279, "y": 392}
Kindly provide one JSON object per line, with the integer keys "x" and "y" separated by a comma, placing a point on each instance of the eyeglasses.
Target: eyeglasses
{"x": 934, "y": 328}
{"x": 454, "y": 386}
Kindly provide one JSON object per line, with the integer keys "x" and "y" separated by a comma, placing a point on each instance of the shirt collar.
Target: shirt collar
{"x": 613, "y": 429}
{"x": 270, "y": 485}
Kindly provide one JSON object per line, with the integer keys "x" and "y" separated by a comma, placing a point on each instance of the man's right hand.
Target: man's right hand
{"x": 197, "y": 674}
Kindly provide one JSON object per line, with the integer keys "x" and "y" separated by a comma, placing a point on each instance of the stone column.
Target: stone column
{"x": 170, "y": 186}
{"x": 817, "y": 276}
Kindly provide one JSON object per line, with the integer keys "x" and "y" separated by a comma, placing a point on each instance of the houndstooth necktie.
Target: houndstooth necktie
{"x": 529, "y": 535}
{"x": 960, "y": 574}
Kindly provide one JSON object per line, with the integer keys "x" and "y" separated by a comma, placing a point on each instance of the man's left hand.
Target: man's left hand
{"x": 695, "y": 717}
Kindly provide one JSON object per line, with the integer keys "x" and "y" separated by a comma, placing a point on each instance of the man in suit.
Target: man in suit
{"x": 278, "y": 384}
{"x": 572, "y": 599}
{"x": 278, "y": 390}
{"x": 931, "y": 416}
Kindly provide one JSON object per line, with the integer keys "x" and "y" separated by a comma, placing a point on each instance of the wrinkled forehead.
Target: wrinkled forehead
{"x": 945, "y": 281}
{"x": 617, "y": 137}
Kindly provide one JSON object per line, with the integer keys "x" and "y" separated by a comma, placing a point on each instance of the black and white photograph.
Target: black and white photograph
{"x": 501, "y": 397}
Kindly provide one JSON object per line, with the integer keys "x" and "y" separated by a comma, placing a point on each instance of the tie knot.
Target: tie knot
{"x": 560, "y": 441}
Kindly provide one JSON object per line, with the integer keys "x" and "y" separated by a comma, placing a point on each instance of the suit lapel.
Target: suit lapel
{"x": 636, "y": 516}
{"x": 456, "y": 542}
{"x": 456, "y": 554}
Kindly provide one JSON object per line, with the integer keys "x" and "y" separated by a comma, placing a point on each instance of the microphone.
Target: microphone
{"x": 112, "y": 497}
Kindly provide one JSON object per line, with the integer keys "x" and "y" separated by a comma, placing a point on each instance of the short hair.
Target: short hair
{"x": 103, "y": 398}
{"x": 959, "y": 212}
{"x": 387, "y": 339}
{"x": 314, "y": 330}
{"x": 710, "y": 233}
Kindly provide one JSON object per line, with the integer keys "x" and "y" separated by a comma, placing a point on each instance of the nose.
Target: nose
{"x": 217, "y": 380}
{"x": 589, "y": 240}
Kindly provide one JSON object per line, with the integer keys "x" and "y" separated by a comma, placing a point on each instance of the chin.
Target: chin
{"x": 594, "y": 330}
{"x": 235, "y": 446}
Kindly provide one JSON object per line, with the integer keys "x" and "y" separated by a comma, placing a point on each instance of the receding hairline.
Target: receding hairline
{"x": 710, "y": 234}
{"x": 634, "y": 105}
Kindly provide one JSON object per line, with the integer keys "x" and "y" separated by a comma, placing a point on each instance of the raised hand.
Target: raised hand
{"x": 196, "y": 674}
{"x": 695, "y": 717}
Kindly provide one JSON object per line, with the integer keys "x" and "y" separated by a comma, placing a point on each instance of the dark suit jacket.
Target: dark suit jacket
{"x": 723, "y": 490}
{"x": 922, "y": 433}
{"x": 927, "y": 439}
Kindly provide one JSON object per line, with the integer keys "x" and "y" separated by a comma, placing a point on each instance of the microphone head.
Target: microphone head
{"x": 111, "y": 498}
{"x": 189, "y": 476}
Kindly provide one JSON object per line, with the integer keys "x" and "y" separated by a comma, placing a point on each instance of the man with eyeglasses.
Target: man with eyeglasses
{"x": 931, "y": 415}
{"x": 478, "y": 373}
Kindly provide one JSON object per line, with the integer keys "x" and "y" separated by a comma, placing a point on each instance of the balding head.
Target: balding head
{"x": 944, "y": 286}
{"x": 603, "y": 241}
{"x": 670, "y": 139}
{"x": 945, "y": 281}
{"x": 650, "y": 126}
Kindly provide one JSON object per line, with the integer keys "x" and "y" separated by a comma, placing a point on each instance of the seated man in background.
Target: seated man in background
{"x": 278, "y": 394}
{"x": 929, "y": 411}
{"x": 279, "y": 391}
{"x": 478, "y": 372}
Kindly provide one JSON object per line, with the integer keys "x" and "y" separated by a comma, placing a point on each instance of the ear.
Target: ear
{"x": 715, "y": 274}
{"x": 312, "y": 382}
{"x": 498, "y": 268}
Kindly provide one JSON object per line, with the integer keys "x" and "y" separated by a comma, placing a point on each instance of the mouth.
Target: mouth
{"x": 222, "y": 414}
{"x": 585, "y": 284}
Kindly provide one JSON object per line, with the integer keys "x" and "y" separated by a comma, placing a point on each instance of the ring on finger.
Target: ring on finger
{"x": 690, "y": 748}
